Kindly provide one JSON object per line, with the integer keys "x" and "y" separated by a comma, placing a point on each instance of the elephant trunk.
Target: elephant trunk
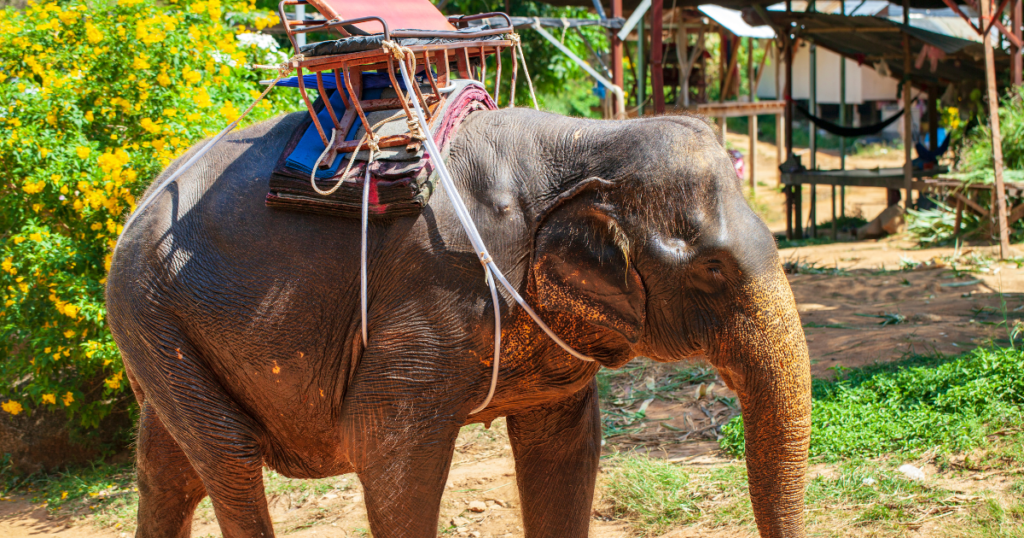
{"x": 765, "y": 361}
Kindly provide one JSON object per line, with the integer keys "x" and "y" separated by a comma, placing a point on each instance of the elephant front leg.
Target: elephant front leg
{"x": 403, "y": 489}
{"x": 557, "y": 450}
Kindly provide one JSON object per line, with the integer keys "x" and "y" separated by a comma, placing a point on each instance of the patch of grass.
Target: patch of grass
{"x": 801, "y": 267}
{"x": 816, "y": 325}
{"x": 782, "y": 242}
{"x": 911, "y": 405}
{"x": 652, "y": 494}
{"x": 889, "y": 318}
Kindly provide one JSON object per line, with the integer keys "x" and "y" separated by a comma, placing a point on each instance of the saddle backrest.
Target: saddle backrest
{"x": 399, "y": 14}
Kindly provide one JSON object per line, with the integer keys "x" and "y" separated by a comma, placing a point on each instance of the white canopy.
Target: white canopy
{"x": 732, "y": 20}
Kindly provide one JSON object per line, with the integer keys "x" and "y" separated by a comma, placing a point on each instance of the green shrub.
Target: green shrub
{"x": 95, "y": 99}
{"x": 911, "y": 405}
{"x": 976, "y": 154}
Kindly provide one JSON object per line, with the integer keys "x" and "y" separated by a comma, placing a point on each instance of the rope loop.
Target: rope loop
{"x": 397, "y": 51}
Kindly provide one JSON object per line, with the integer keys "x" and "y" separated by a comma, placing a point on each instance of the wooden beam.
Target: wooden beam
{"x": 997, "y": 140}
{"x": 752, "y": 123}
{"x": 908, "y": 142}
{"x": 854, "y": 30}
{"x": 727, "y": 83}
{"x": 618, "y": 77}
{"x": 760, "y": 69}
{"x": 1015, "y": 51}
{"x": 1015, "y": 215}
{"x": 1013, "y": 39}
{"x": 733, "y": 109}
{"x": 956, "y": 9}
{"x": 657, "y": 69}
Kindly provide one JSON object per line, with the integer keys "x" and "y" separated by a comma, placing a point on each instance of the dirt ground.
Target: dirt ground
{"x": 857, "y": 308}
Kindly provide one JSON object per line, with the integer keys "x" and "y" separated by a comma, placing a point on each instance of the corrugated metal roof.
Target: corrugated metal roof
{"x": 873, "y": 39}
{"x": 732, "y": 20}
{"x": 630, "y": 5}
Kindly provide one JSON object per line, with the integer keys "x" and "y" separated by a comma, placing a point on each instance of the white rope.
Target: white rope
{"x": 282, "y": 70}
{"x": 490, "y": 269}
{"x": 316, "y": 165}
{"x": 526, "y": 70}
{"x": 362, "y": 250}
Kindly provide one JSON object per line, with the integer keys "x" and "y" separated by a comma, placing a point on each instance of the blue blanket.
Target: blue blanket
{"x": 309, "y": 148}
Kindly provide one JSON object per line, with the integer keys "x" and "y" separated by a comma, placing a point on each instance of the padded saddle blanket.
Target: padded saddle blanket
{"x": 401, "y": 178}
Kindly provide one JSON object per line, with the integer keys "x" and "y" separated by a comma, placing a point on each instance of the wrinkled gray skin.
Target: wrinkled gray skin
{"x": 239, "y": 325}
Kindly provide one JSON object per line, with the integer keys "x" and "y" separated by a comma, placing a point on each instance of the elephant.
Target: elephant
{"x": 240, "y": 325}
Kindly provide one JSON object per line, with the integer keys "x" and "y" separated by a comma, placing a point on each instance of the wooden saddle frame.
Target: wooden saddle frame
{"x": 467, "y": 48}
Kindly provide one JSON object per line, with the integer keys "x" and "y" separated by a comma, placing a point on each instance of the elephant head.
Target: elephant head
{"x": 653, "y": 246}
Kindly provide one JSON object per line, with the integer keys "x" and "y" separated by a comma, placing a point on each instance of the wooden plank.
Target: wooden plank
{"x": 1015, "y": 215}
{"x": 734, "y": 109}
{"x": 959, "y": 217}
{"x": 967, "y": 203}
{"x": 908, "y": 141}
{"x": 752, "y": 124}
{"x": 997, "y": 139}
{"x": 657, "y": 69}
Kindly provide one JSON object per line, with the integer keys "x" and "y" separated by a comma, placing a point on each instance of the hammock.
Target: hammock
{"x": 849, "y": 132}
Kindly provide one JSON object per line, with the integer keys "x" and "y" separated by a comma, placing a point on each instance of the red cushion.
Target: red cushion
{"x": 399, "y": 14}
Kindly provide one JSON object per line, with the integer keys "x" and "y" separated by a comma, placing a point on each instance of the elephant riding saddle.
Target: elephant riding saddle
{"x": 361, "y": 128}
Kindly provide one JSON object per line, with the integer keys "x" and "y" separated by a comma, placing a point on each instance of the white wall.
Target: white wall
{"x": 862, "y": 82}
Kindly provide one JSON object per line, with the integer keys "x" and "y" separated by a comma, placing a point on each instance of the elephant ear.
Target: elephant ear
{"x": 582, "y": 263}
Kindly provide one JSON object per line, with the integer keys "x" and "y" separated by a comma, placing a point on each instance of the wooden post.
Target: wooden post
{"x": 780, "y": 140}
{"x": 997, "y": 139}
{"x": 842, "y": 140}
{"x": 814, "y": 136}
{"x": 618, "y": 77}
{"x": 933, "y": 117}
{"x": 641, "y": 69}
{"x": 908, "y": 141}
{"x": 752, "y": 123}
{"x": 796, "y": 191}
{"x": 1015, "y": 57}
{"x": 657, "y": 72}
{"x": 683, "y": 59}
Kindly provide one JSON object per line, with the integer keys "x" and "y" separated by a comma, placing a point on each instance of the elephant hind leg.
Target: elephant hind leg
{"x": 169, "y": 487}
{"x": 212, "y": 437}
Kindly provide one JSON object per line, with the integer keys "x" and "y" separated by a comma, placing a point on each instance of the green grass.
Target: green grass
{"x": 652, "y": 494}
{"x": 912, "y": 405}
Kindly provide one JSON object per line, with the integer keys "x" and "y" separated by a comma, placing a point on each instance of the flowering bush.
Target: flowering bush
{"x": 95, "y": 100}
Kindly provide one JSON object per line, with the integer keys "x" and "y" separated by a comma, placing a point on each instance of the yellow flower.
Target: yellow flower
{"x": 68, "y": 399}
{"x": 43, "y": 152}
{"x": 35, "y": 237}
{"x": 201, "y": 98}
{"x": 12, "y": 407}
{"x": 8, "y": 266}
{"x": 63, "y": 495}
{"x": 71, "y": 311}
{"x": 148, "y": 125}
{"x": 163, "y": 79}
{"x": 19, "y": 240}
{"x": 114, "y": 381}
{"x": 93, "y": 34}
{"x": 83, "y": 152}
{"x": 89, "y": 116}
{"x": 191, "y": 76}
{"x": 33, "y": 188}
{"x": 229, "y": 111}
{"x": 51, "y": 399}
{"x": 140, "y": 62}
{"x": 69, "y": 333}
